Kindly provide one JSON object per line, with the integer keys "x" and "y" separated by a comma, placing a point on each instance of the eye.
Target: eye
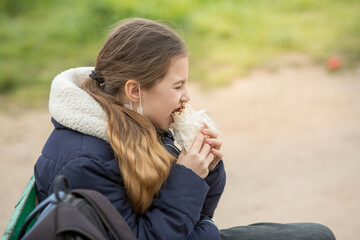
{"x": 179, "y": 87}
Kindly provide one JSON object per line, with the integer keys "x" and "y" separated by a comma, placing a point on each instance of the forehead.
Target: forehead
{"x": 178, "y": 70}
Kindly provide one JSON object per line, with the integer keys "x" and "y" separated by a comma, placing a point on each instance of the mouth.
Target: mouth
{"x": 178, "y": 111}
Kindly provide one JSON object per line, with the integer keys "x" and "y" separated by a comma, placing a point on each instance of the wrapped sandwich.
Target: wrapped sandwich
{"x": 188, "y": 123}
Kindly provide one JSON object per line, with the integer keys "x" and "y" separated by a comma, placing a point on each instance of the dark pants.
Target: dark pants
{"x": 276, "y": 231}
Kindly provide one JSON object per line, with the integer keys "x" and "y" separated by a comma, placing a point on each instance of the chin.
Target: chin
{"x": 163, "y": 127}
{"x": 167, "y": 127}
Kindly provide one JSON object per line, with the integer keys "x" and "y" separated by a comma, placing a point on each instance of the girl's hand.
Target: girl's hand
{"x": 199, "y": 157}
{"x": 215, "y": 144}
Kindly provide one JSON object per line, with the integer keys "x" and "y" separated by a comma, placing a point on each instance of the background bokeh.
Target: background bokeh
{"x": 280, "y": 78}
{"x": 40, "y": 38}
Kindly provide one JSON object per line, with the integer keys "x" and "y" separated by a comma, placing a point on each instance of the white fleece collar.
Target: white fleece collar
{"x": 72, "y": 107}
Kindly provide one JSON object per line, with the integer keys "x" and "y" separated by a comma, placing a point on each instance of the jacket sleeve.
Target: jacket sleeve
{"x": 174, "y": 213}
{"x": 216, "y": 181}
{"x": 205, "y": 229}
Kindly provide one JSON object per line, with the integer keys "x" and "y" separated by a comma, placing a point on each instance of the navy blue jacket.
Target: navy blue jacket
{"x": 182, "y": 210}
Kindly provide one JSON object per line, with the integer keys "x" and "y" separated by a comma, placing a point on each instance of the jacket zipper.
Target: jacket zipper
{"x": 174, "y": 147}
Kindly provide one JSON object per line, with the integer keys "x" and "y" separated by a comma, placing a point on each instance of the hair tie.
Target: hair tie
{"x": 97, "y": 78}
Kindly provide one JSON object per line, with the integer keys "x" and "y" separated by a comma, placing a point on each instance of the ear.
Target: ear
{"x": 132, "y": 90}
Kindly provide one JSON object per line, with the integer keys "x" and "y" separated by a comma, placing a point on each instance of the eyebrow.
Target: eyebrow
{"x": 180, "y": 81}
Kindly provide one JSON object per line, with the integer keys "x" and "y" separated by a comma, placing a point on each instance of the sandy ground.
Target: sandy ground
{"x": 291, "y": 147}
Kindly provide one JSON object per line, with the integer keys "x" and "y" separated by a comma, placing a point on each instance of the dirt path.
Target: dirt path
{"x": 291, "y": 145}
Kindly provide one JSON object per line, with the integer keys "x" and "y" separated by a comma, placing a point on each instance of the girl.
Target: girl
{"x": 112, "y": 135}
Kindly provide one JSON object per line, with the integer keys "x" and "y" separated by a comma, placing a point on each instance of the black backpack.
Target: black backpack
{"x": 79, "y": 214}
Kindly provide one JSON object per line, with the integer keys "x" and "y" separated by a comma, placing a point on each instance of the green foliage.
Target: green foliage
{"x": 40, "y": 38}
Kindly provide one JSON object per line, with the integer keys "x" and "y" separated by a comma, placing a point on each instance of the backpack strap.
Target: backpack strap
{"x": 108, "y": 213}
{"x": 51, "y": 201}
{"x": 57, "y": 184}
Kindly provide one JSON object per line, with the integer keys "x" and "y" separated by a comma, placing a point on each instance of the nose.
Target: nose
{"x": 186, "y": 96}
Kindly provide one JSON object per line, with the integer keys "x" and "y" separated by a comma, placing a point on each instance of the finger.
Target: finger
{"x": 217, "y": 157}
{"x": 205, "y": 150}
{"x": 210, "y": 158}
{"x": 212, "y": 133}
{"x": 213, "y": 164}
{"x": 198, "y": 142}
{"x": 217, "y": 153}
{"x": 214, "y": 143}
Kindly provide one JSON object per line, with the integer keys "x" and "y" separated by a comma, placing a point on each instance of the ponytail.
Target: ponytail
{"x": 144, "y": 163}
{"x": 142, "y": 50}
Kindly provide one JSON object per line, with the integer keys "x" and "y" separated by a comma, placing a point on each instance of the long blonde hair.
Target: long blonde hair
{"x": 142, "y": 50}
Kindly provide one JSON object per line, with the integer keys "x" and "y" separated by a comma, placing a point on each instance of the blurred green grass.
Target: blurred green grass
{"x": 39, "y": 39}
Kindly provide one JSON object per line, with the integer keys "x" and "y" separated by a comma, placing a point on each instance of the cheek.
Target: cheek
{"x": 156, "y": 109}
{"x": 159, "y": 104}
{"x": 168, "y": 101}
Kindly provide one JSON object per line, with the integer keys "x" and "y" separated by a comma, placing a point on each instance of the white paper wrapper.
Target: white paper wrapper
{"x": 188, "y": 123}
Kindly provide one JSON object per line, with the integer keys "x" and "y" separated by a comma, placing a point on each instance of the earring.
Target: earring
{"x": 129, "y": 106}
{"x": 140, "y": 110}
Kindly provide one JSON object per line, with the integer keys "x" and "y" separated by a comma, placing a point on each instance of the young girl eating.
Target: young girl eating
{"x": 112, "y": 135}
